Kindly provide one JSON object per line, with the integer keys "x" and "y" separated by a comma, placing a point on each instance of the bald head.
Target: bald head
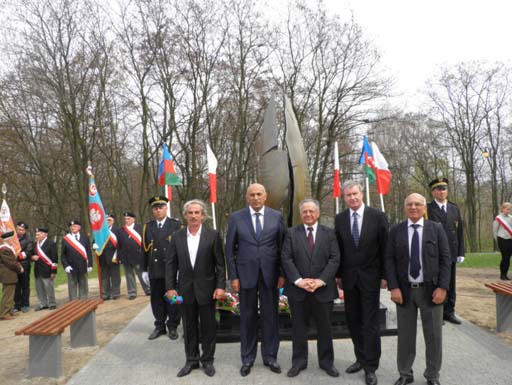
{"x": 256, "y": 196}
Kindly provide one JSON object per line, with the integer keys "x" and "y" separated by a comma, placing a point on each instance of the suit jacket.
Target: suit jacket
{"x": 435, "y": 257}
{"x": 71, "y": 257}
{"x": 9, "y": 266}
{"x": 109, "y": 250}
{"x": 41, "y": 269}
{"x": 156, "y": 244}
{"x": 364, "y": 263}
{"x": 209, "y": 273}
{"x": 452, "y": 224}
{"x": 129, "y": 251}
{"x": 27, "y": 247}
{"x": 299, "y": 263}
{"x": 246, "y": 255}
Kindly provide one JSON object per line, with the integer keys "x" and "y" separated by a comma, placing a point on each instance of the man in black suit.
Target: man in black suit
{"x": 362, "y": 233}
{"x": 418, "y": 273}
{"x": 109, "y": 262}
{"x": 447, "y": 213}
{"x": 76, "y": 259}
{"x": 253, "y": 255}
{"x": 130, "y": 254}
{"x": 310, "y": 260}
{"x": 45, "y": 269}
{"x": 196, "y": 253}
{"x": 22, "y": 293}
{"x": 156, "y": 236}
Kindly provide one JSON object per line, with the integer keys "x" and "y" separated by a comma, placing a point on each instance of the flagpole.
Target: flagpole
{"x": 367, "y": 191}
{"x": 168, "y": 195}
{"x": 337, "y": 205}
{"x": 382, "y": 202}
{"x": 213, "y": 216}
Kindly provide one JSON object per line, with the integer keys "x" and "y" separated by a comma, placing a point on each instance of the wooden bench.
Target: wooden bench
{"x": 503, "y": 292}
{"x": 45, "y": 335}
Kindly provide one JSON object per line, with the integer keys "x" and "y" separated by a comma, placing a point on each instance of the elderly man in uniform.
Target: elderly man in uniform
{"x": 109, "y": 263}
{"x": 156, "y": 236}
{"x": 22, "y": 294}
{"x": 45, "y": 269}
{"x": 9, "y": 270}
{"x": 448, "y": 214}
{"x": 130, "y": 253}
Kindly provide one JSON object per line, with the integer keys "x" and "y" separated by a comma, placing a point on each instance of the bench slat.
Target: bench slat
{"x": 500, "y": 287}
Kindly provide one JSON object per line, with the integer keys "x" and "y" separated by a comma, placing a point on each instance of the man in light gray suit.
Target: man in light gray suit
{"x": 253, "y": 255}
{"x": 418, "y": 273}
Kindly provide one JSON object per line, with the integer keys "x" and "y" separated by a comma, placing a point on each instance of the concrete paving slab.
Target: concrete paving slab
{"x": 471, "y": 356}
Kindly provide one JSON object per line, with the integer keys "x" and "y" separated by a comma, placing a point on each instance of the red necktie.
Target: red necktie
{"x": 311, "y": 240}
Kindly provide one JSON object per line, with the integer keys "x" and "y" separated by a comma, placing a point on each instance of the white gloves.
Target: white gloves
{"x": 145, "y": 277}
{"x": 95, "y": 246}
{"x": 68, "y": 269}
{"x": 89, "y": 269}
{"x": 460, "y": 259}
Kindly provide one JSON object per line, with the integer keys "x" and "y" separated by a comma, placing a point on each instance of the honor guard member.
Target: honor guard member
{"x": 448, "y": 214}
{"x": 156, "y": 237}
{"x": 109, "y": 263}
{"x": 22, "y": 293}
{"x": 130, "y": 253}
{"x": 45, "y": 269}
{"x": 9, "y": 270}
{"x": 76, "y": 259}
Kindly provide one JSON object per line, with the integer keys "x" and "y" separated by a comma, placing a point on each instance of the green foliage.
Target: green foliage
{"x": 479, "y": 260}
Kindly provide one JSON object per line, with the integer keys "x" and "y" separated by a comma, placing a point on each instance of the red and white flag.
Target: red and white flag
{"x": 336, "y": 191}
{"x": 212, "y": 173}
{"x": 382, "y": 173}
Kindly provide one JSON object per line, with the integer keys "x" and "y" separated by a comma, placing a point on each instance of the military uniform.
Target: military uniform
{"x": 22, "y": 293}
{"x": 156, "y": 242}
{"x": 110, "y": 270}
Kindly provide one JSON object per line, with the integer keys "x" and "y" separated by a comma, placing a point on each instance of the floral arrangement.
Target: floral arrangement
{"x": 230, "y": 303}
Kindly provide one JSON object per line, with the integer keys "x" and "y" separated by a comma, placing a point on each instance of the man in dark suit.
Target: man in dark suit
{"x": 22, "y": 293}
{"x": 310, "y": 260}
{"x": 447, "y": 213}
{"x": 156, "y": 236}
{"x": 253, "y": 253}
{"x": 109, "y": 263}
{"x": 196, "y": 253}
{"x": 45, "y": 269}
{"x": 130, "y": 254}
{"x": 76, "y": 259}
{"x": 418, "y": 273}
{"x": 362, "y": 233}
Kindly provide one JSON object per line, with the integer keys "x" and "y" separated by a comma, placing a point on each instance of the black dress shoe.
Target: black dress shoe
{"x": 354, "y": 368}
{"x": 173, "y": 334}
{"x": 156, "y": 333}
{"x": 52, "y": 307}
{"x": 404, "y": 380}
{"x": 274, "y": 366}
{"x": 452, "y": 319}
{"x": 504, "y": 278}
{"x": 41, "y": 308}
{"x": 209, "y": 369}
{"x": 332, "y": 371}
{"x": 294, "y": 371}
{"x": 132, "y": 297}
{"x": 187, "y": 369}
{"x": 370, "y": 378}
{"x": 433, "y": 382}
{"x": 245, "y": 370}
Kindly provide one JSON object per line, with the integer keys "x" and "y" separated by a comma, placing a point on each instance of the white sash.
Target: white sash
{"x": 72, "y": 241}
{"x": 113, "y": 239}
{"x": 504, "y": 224}
{"x": 42, "y": 255}
{"x": 135, "y": 235}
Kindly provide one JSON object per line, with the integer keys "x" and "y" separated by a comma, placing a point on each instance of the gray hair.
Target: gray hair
{"x": 196, "y": 202}
{"x": 423, "y": 199}
{"x": 309, "y": 200}
{"x": 351, "y": 183}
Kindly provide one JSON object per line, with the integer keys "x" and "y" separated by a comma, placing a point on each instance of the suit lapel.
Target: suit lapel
{"x": 303, "y": 236}
{"x": 248, "y": 221}
{"x": 201, "y": 246}
{"x": 182, "y": 236}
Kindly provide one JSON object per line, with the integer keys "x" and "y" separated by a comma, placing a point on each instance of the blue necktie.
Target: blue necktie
{"x": 415, "y": 253}
{"x": 355, "y": 230}
{"x": 258, "y": 226}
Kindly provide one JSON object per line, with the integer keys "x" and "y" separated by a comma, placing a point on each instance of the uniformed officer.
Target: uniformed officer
{"x": 448, "y": 214}
{"x": 156, "y": 236}
{"x": 22, "y": 293}
{"x": 109, "y": 262}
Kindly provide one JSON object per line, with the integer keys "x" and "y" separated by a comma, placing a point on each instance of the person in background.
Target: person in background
{"x": 22, "y": 293}
{"x": 9, "y": 270}
{"x": 502, "y": 232}
{"x": 109, "y": 263}
{"x": 45, "y": 269}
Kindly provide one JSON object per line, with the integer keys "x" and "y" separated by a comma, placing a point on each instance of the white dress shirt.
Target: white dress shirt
{"x": 193, "y": 244}
{"x": 261, "y": 217}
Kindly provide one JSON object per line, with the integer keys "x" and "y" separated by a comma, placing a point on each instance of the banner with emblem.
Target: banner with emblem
{"x": 7, "y": 225}
{"x": 97, "y": 217}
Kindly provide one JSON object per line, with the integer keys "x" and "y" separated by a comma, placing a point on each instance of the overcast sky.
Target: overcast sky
{"x": 416, "y": 36}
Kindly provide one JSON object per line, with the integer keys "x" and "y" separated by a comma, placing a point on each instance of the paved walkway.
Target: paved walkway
{"x": 472, "y": 356}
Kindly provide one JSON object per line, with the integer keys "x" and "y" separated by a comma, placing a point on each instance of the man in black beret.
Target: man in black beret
{"x": 22, "y": 293}
{"x": 45, "y": 269}
{"x": 448, "y": 214}
{"x": 156, "y": 237}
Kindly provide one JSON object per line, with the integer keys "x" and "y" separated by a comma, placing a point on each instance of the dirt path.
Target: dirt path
{"x": 475, "y": 303}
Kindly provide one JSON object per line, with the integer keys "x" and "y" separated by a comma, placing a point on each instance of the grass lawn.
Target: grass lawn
{"x": 479, "y": 260}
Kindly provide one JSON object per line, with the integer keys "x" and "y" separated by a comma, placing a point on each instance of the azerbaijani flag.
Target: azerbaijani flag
{"x": 166, "y": 173}
{"x": 212, "y": 173}
{"x": 336, "y": 191}
{"x": 367, "y": 159}
{"x": 99, "y": 224}
{"x": 7, "y": 225}
{"x": 381, "y": 170}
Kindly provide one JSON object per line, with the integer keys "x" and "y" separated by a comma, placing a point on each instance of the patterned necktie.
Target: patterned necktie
{"x": 415, "y": 253}
{"x": 355, "y": 230}
{"x": 311, "y": 240}
{"x": 258, "y": 226}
